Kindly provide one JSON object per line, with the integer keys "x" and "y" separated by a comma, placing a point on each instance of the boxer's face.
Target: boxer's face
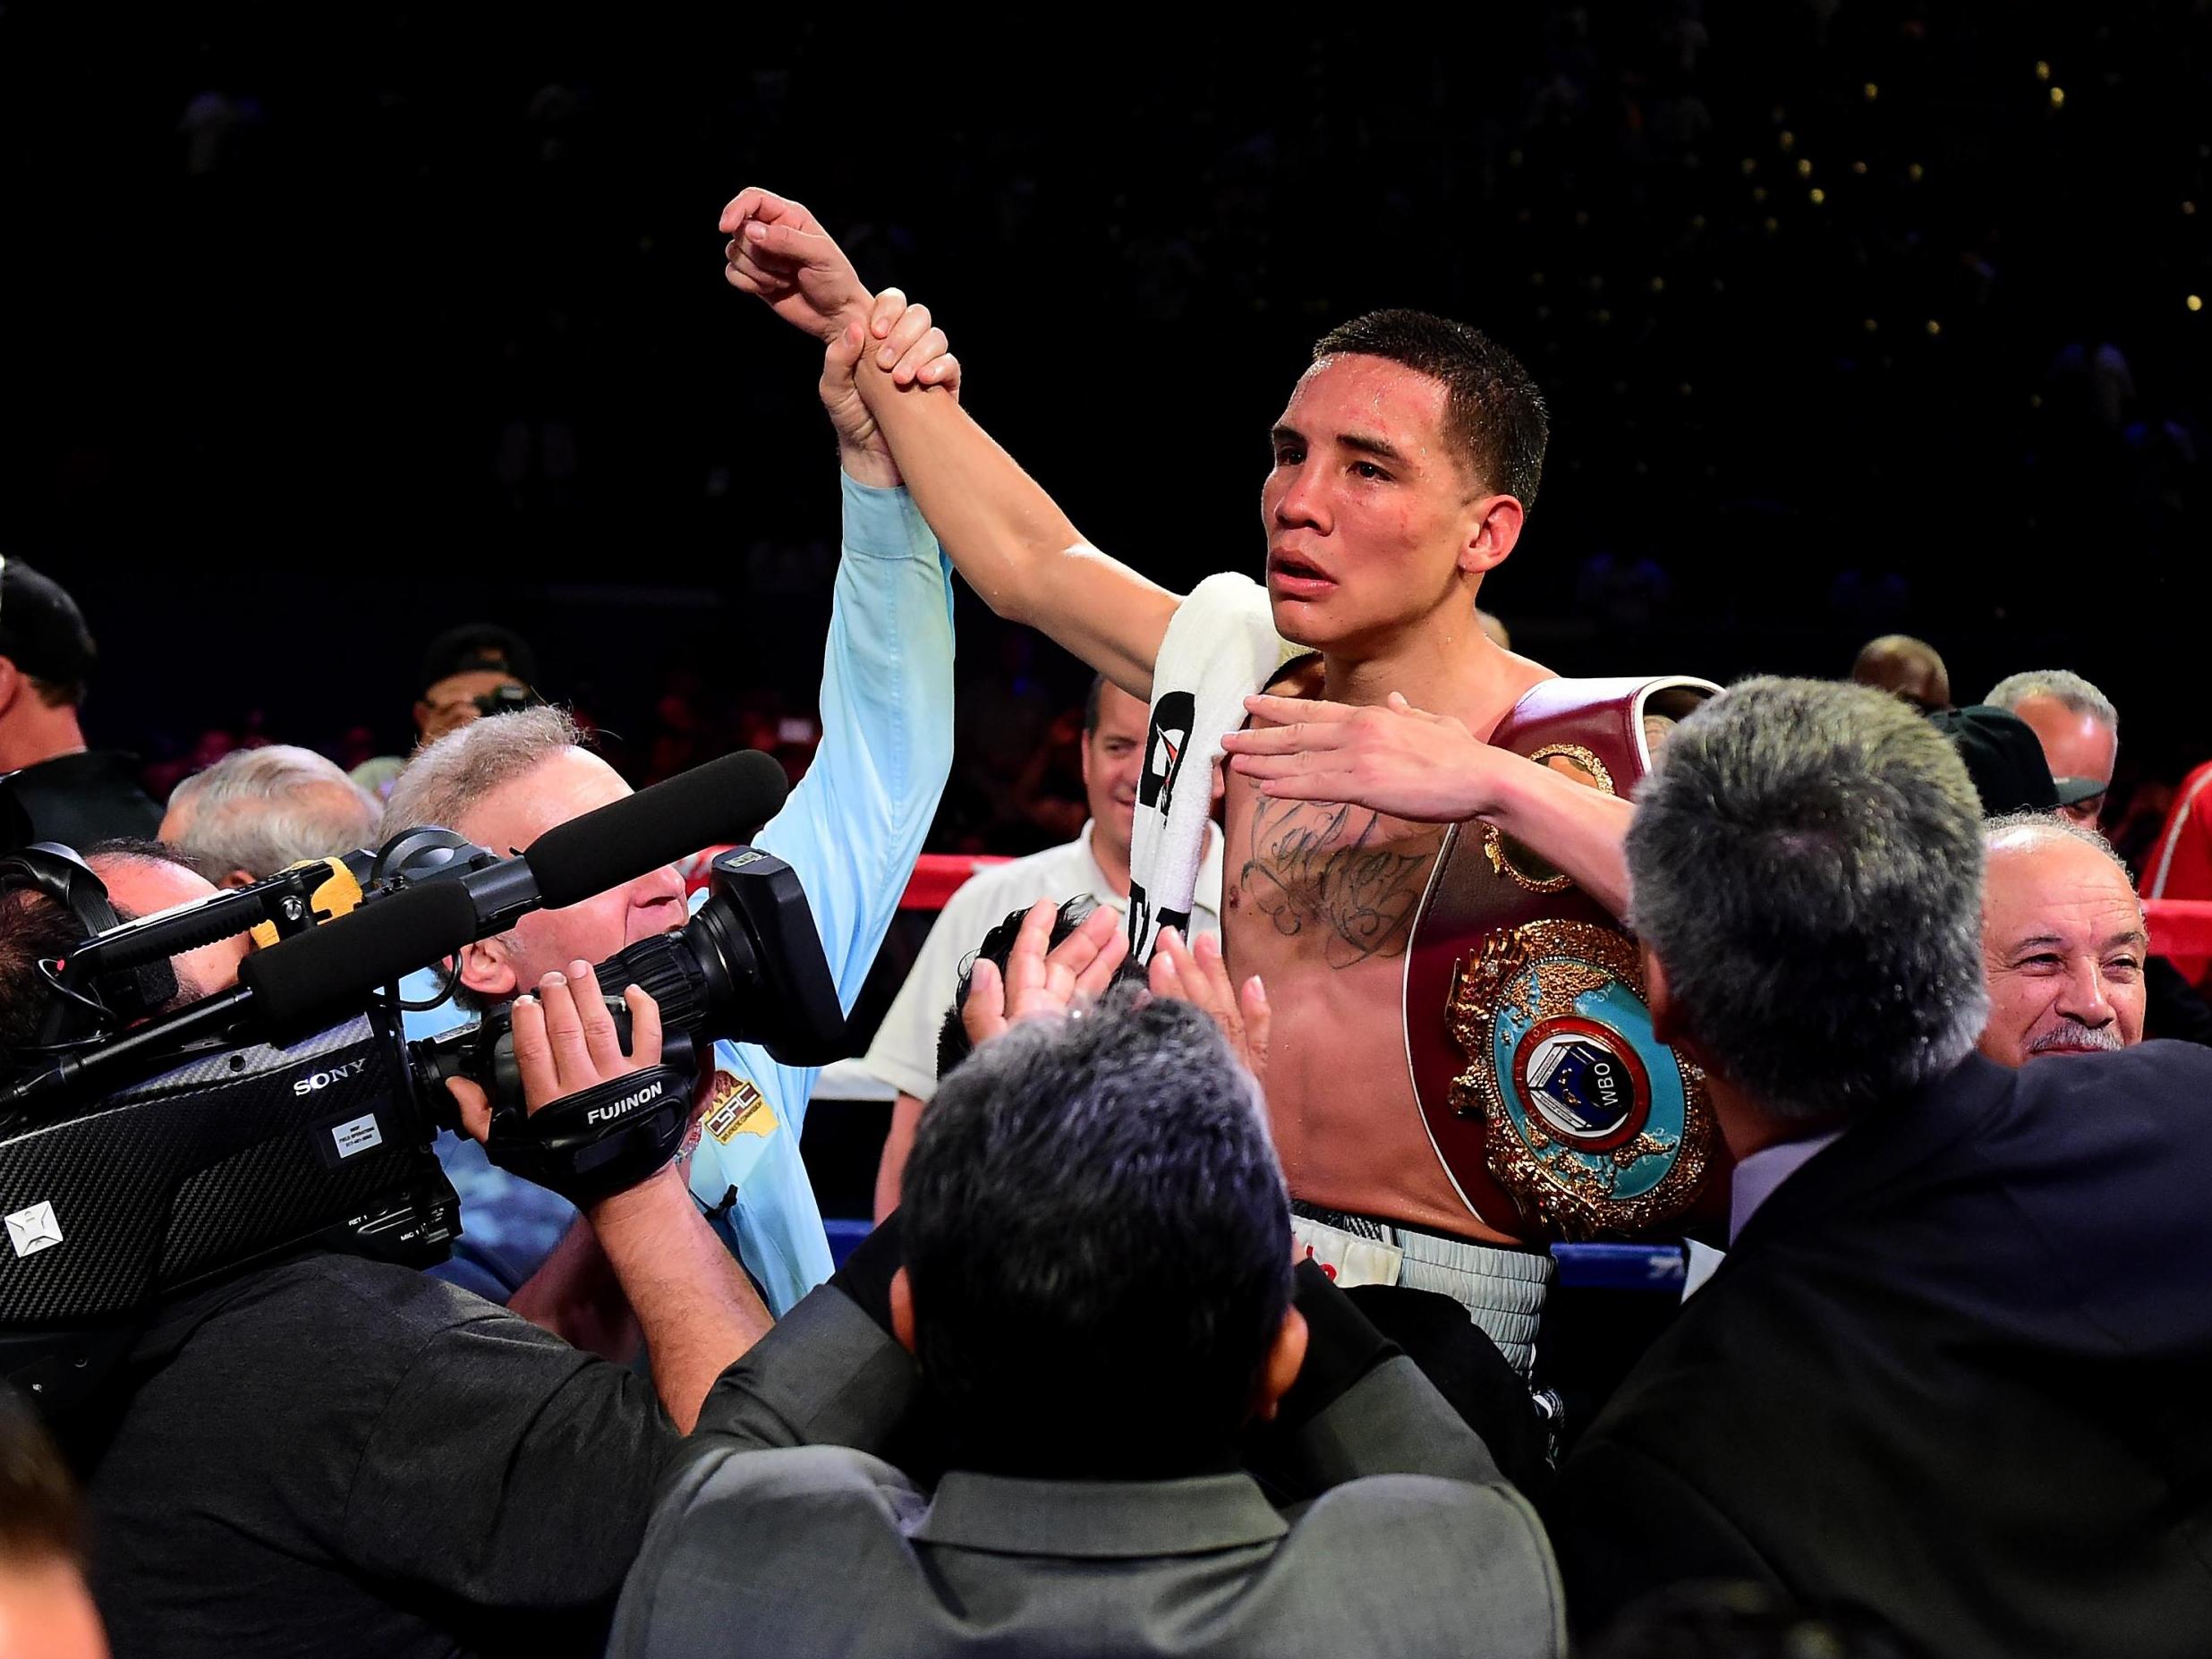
{"x": 1373, "y": 522}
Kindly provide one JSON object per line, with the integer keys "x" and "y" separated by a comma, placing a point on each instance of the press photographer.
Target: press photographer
{"x": 373, "y": 1461}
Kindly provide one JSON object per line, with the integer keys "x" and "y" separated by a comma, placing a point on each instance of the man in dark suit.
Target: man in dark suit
{"x": 1954, "y": 1371}
{"x": 1093, "y": 1269}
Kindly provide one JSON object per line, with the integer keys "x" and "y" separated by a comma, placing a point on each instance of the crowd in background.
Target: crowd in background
{"x": 1853, "y": 317}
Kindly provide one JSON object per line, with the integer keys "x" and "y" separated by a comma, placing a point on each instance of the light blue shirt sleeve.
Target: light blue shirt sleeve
{"x": 851, "y": 831}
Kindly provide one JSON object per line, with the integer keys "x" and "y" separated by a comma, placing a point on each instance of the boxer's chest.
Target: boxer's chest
{"x": 1319, "y": 887}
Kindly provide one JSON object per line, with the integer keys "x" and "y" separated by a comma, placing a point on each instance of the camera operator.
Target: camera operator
{"x": 142, "y": 878}
{"x": 325, "y": 1454}
{"x": 851, "y": 829}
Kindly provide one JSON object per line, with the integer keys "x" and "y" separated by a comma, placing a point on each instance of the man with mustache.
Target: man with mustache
{"x": 1949, "y": 1377}
{"x": 2063, "y": 950}
{"x": 2062, "y": 942}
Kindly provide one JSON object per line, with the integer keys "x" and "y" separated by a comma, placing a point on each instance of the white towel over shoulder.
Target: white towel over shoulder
{"x": 1220, "y": 647}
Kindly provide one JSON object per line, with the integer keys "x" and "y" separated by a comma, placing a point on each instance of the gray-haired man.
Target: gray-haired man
{"x": 2078, "y": 727}
{"x": 256, "y": 810}
{"x": 1951, "y": 1373}
{"x": 850, "y": 830}
{"x": 2063, "y": 940}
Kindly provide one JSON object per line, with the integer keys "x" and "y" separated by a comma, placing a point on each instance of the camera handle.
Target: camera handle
{"x": 601, "y": 1139}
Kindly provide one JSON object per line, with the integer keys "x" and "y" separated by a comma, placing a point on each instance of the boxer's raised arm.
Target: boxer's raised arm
{"x": 1010, "y": 539}
{"x": 1005, "y": 535}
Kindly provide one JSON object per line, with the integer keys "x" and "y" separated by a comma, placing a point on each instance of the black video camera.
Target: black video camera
{"x": 289, "y": 1112}
{"x": 747, "y": 967}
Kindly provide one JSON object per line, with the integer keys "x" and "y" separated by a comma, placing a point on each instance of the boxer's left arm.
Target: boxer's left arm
{"x": 1007, "y": 537}
{"x": 1395, "y": 759}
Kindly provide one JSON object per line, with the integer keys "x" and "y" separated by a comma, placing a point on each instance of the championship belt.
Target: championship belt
{"x": 1555, "y": 1112}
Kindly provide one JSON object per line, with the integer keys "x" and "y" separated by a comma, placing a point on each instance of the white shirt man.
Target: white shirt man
{"x": 1096, "y": 863}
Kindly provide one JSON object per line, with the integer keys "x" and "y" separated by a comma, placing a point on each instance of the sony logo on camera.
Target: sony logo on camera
{"x": 627, "y": 1104}
{"x": 324, "y": 1079}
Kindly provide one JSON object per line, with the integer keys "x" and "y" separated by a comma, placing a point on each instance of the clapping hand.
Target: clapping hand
{"x": 1039, "y": 982}
{"x": 1198, "y": 975}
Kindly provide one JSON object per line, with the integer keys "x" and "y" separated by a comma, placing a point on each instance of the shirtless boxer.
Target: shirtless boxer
{"x": 1403, "y": 466}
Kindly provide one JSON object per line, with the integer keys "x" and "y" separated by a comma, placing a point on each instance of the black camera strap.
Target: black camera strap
{"x": 601, "y": 1139}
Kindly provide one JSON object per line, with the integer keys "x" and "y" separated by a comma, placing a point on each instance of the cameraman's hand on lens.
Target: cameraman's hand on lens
{"x": 901, "y": 339}
{"x": 564, "y": 1042}
{"x": 1041, "y": 983}
{"x": 778, "y": 253}
{"x": 1197, "y": 974}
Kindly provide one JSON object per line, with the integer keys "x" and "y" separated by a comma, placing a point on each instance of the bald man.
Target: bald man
{"x": 2064, "y": 944}
{"x": 142, "y": 879}
{"x": 1906, "y": 668}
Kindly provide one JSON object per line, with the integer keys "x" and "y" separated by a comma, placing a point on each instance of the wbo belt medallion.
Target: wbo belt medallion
{"x": 1550, "y": 1105}
{"x": 1589, "y": 1120}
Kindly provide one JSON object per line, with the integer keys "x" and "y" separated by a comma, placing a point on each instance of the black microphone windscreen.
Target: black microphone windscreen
{"x": 330, "y": 970}
{"x": 724, "y": 800}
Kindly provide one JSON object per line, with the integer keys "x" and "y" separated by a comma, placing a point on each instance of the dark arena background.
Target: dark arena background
{"x": 329, "y": 328}
{"x": 378, "y": 1296}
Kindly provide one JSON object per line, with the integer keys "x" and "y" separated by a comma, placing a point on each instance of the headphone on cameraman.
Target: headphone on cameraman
{"x": 59, "y": 874}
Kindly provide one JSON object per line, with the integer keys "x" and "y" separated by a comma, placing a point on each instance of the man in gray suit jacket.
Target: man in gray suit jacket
{"x": 1089, "y": 1293}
